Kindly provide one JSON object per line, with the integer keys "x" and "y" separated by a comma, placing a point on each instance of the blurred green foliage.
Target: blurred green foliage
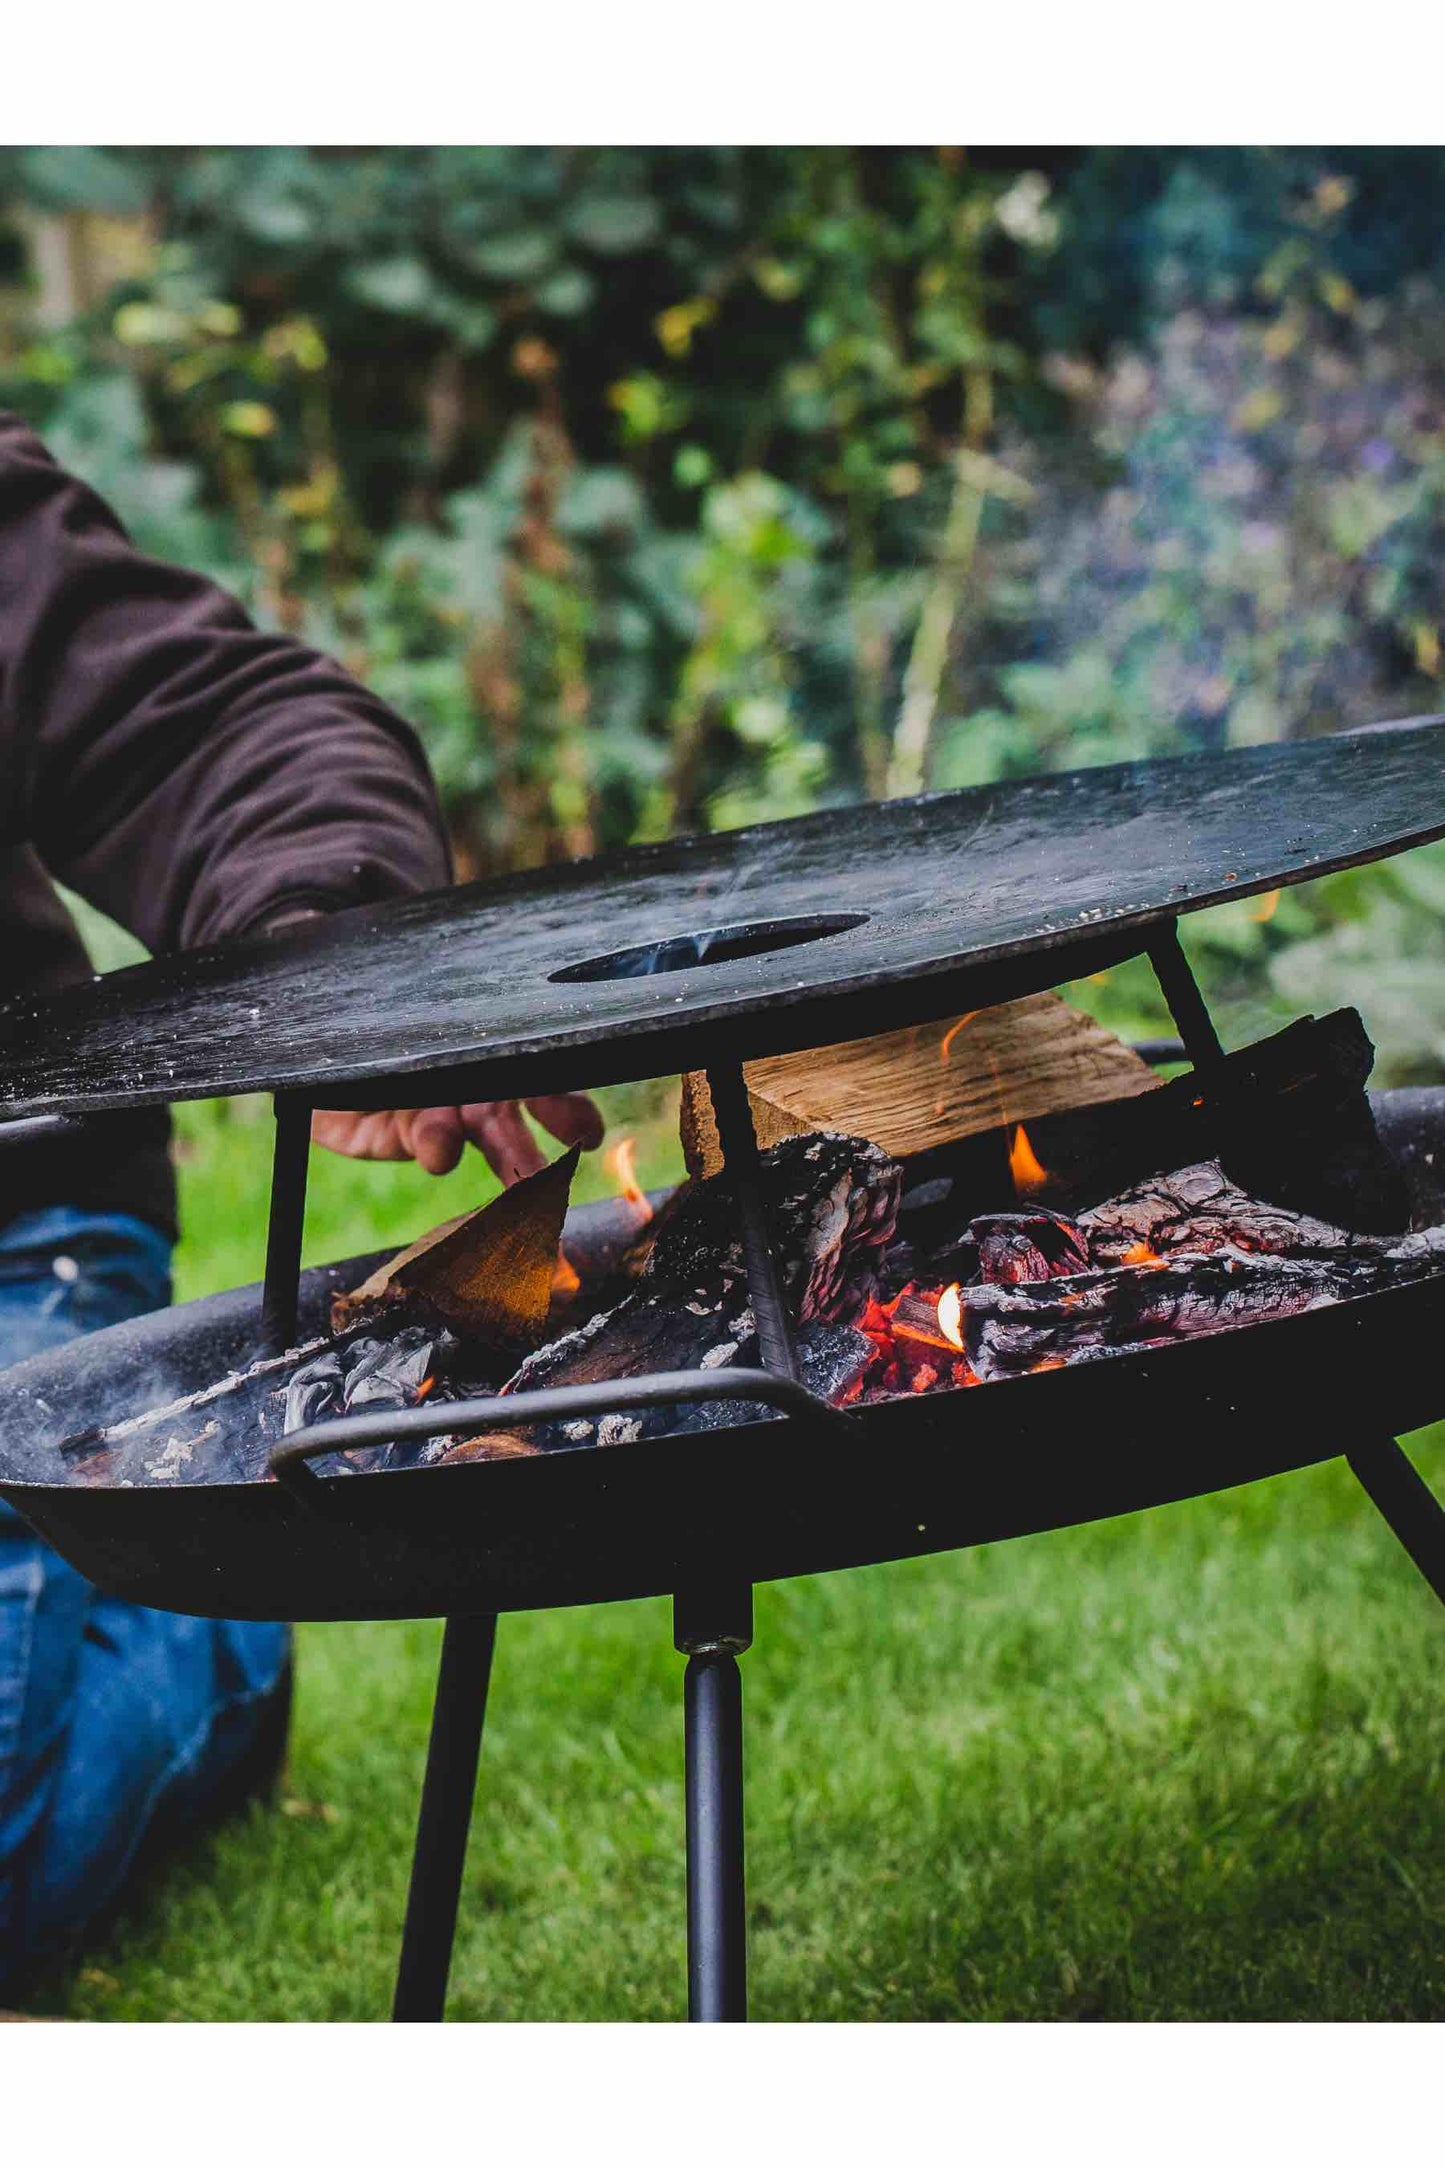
{"x": 669, "y": 489}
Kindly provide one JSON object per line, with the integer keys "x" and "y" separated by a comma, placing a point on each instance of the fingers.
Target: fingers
{"x": 437, "y": 1137}
{"x": 359, "y": 1136}
{"x": 570, "y": 1117}
{"x": 499, "y": 1131}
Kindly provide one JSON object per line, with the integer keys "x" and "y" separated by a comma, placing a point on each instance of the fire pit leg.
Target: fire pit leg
{"x": 288, "y": 1215}
{"x": 1186, "y": 1004}
{"x": 445, "y": 1818}
{"x": 717, "y": 1938}
{"x": 711, "y": 1625}
{"x": 727, "y": 1088}
{"x": 1405, "y": 1499}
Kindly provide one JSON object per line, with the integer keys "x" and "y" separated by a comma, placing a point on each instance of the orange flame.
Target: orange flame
{"x": 945, "y": 1047}
{"x": 1140, "y": 1253}
{"x": 950, "y": 1315}
{"x": 621, "y": 1166}
{"x": 424, "y": 1388}
{"x": 564, "y": 1274}
{"x": 946, "y": 1042}
{"x": 1264, "y": 907}
{"x": 1023, "y": 1164}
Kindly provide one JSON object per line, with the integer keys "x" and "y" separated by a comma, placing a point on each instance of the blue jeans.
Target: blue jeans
{"x": 110, "y": 1715}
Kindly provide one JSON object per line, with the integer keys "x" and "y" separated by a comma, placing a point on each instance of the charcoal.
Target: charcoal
{"x": 390, "y": 1373}
{"x": 831, "y": 1362}
{"x": 313, "y": 1392}
{"x": 641, "y": 1336}
{"x": 365, "y": 1373}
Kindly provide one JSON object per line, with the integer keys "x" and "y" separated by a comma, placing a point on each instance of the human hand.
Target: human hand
{"x": 436, "y": 1137}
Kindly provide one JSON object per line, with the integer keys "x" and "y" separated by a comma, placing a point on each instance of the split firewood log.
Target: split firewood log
{"x": 929, "y": 1084}
{"x": 487, "y": 1275}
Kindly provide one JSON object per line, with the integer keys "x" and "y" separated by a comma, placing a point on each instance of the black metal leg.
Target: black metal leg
{"x": 1180, "y": 989}
{"x": 728, "y": 1091}
{"x": 288, "y": 1217}
{"x": 1401, "y": 1494}
{"x": 445, "y": 1818}
{"x": 712, "y": 1623}
{"x": 717, "y": 1935}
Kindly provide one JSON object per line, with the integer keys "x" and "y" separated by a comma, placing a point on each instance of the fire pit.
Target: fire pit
{"x": 939, "y": 1373}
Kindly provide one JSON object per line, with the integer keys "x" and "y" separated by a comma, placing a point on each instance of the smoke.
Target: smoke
{"x": 1240, "y": 540}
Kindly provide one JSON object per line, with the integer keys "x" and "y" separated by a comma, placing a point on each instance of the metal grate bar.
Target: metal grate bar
{"x": 509, "y": 1411}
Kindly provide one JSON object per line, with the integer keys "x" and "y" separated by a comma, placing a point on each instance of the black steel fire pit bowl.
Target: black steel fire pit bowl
{"x": 702, "y": 954}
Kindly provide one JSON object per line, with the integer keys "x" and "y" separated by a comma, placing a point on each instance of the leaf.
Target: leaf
{"x": 524, "y": 254}
{"x": 613, "y": 224}
{"x": 566, "y": 293}
{"x": 472, "y": 323}
{"x": 599, "y": 498}
{"x": 74, "y": 177}
{"x": 274, "y": 215}
{"x": 247, "y": 418}
{"x": 402, "y": 285}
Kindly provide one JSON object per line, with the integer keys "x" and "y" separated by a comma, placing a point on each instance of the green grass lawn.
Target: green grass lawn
{"x": 1183, "y": 1765}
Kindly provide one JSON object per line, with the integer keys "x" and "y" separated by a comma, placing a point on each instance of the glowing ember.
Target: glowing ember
{"x": 1140, "y": 1253}
{"x": 621, "y": 1163}
{"x": 917, "y": 1344}
{"x": 1023, "y": 1164}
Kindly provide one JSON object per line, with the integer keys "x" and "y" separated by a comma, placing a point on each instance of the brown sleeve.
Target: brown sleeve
{"x": 186, "y": 772}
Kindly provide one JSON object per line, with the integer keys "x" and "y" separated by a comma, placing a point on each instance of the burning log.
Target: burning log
{"x": 832, "y": 1202}
{"x": 1199, "y": 1211}
{"x": 1288, "y": 1119}
{"x": 1007, "y": 1247}
{"x": 1008, "y": 1330}
{"x": 1176, "y": 1256}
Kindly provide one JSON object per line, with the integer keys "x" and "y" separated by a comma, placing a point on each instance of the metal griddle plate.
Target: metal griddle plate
{"x": 935, "y": 902}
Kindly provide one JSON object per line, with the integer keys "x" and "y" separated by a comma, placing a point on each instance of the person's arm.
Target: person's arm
{"x": 199, "y": 779}
{"x": 187, "y": 773}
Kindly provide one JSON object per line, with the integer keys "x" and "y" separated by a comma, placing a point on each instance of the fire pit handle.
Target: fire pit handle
{"x": 39, "y": 1128}
{"x": 508, "y": 1411}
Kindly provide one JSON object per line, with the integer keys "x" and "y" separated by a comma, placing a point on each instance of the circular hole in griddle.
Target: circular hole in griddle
{"x": 717, "y": 945}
